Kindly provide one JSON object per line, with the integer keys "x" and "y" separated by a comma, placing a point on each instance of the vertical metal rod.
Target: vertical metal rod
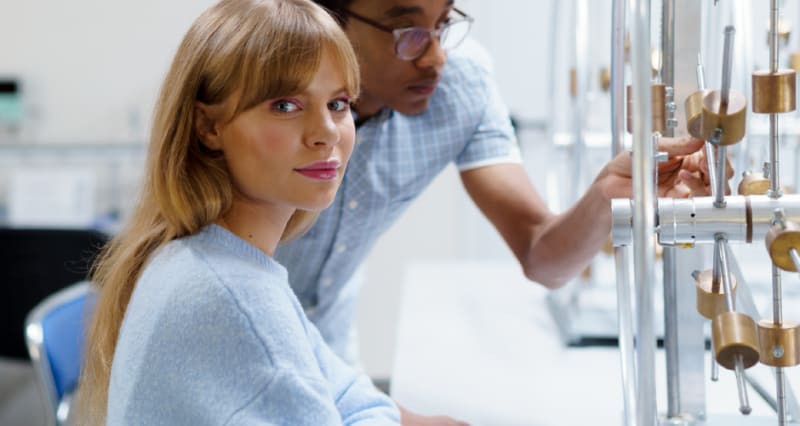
{"x": 714, "y": 365}
{"x": 621, "y": 256}
{"x": 581, "y": 10}
{"x": 774, "y": 158}
{"x": 721, "y": 245}
{"x": 626, "y": 342}
{"x": 777, "y": 318}
{"x": 780, "y": 383}
{"x": 720, "y": 171}
{"x": 773, "y": 36}
{"x": 711, "y": 153}
{"x": 718, "y": 191}
{"x": 774, "y": 145}
{"x": 727, "y": 64}
{"x": 668, "y": 45}
{"x": 777, "y": 308}
{"x": 716, "y": 268}
{"x": 671, "y": 346}
{"x": 671, "y": 349}
{"x": 617, "y": 76}
{"x": 700, "y": 72}
{"x": 712, "y": 171}
{"x": 644, "y": 213}
{"x": 775, "y": 192}
{"x": 741, "y": 386}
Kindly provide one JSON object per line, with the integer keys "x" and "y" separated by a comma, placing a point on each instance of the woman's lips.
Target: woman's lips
{"x": 321, "y": 170}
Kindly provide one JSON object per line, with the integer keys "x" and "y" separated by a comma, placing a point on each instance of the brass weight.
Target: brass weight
{"x": 774, "y": 93}
{"x": 753, "y": 183}
{"x": 734, "y": 334}
{"x": 573, "y": 82}
{"x": 711, "y": 300}
{"x": 794, "y": 61}
{"x": 780, "y": 240}
{"x": 731, "y": 120}
{"x": 694, "y": 113}
{"x": 605, "y": 79}
{"x": 658, "y": 104}
{"x": 779, "y": 343}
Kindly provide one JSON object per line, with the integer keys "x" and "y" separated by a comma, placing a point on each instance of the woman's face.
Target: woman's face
{"x": 292, "y": 151}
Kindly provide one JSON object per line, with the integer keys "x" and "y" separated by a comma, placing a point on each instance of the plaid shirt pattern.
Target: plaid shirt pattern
{"x": 395, "y": 158}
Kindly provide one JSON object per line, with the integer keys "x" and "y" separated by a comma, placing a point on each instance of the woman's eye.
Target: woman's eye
{"x": 339, "y": 105}
{"x": 285, "y": 106}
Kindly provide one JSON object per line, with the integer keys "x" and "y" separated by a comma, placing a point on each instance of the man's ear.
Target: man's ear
{"x": 206, "y": 126}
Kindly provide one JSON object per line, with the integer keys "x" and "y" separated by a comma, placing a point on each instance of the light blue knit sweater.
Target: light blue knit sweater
{"x": 213, "y": 335}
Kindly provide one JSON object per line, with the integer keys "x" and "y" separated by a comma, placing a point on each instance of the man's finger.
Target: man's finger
{"x": 680, "y": 190}
{"x": 695, "y": 183}
{"x": 680, "y": 146}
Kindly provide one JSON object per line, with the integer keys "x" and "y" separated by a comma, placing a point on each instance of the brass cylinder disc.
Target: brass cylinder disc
{"x": 694, "y": 113}
{"x": 605, "y": 79}
{"x": 753, "y": 183}
{"x": 573, "y": 82}
{"x": 794, "y": 61}
{"x": 731, "y": 121}
{"x": 780, "y": 343}
{"x": 774, "y": 93}
{"x": 734, "y": 334}
{"x": 779, "y": 241}
{"x": 711, "y": 297}
{"x": 658, "y": 106}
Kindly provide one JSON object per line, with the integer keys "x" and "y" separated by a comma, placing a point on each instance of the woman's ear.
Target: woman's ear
{"x": 206, "y": 126}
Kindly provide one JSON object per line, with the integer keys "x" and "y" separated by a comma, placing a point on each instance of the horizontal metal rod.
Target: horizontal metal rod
{"x": 690, "y": 221}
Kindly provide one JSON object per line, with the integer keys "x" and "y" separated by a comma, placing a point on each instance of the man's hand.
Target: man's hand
{"x": 407, "y": 418}
{"x": 684, "y": 174}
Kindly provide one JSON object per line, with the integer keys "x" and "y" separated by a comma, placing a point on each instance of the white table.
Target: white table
{"x": 475, "y": 341}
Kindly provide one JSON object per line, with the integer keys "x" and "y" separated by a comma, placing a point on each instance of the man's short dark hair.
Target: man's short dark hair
{"x": 336, "y": 8}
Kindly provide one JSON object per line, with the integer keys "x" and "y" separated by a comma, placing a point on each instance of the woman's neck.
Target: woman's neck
{"x": 260, "y": 226}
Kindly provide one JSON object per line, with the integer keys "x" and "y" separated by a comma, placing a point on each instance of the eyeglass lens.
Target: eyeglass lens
{"x": 412, "y": 44}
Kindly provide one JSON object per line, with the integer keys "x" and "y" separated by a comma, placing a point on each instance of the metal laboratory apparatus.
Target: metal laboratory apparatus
{"x": 762, "y": 213}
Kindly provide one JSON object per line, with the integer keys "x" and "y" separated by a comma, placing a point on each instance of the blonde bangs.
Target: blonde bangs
{"x": 287, "y": 63}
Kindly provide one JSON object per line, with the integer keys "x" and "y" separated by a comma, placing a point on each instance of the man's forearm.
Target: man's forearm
{"x": 570, "y": 241}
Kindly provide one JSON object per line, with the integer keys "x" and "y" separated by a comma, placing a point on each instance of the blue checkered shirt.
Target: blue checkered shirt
{"x": 395, "y": 158}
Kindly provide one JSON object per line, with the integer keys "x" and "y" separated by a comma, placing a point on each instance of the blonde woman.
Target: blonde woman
{"x": 195, "y": 322}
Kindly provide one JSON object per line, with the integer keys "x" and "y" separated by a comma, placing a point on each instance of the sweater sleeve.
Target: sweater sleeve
{"x": 299, "y": 400}
{"x": 357, "y": 400}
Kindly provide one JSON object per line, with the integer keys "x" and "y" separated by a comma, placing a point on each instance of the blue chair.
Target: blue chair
{"x": 54, "y": 333}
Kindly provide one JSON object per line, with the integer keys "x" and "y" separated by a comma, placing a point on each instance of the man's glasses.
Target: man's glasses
{"x": 410, "y": 43}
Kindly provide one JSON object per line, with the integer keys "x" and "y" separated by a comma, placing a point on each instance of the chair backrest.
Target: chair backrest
{"x": 35, "y": 263}
{"x": 54, "y": 333}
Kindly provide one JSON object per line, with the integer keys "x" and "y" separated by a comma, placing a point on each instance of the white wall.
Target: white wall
{"x": 91, "y": 69}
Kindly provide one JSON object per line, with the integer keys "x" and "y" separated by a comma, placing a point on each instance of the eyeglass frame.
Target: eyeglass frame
{"x": 398, "y": 32}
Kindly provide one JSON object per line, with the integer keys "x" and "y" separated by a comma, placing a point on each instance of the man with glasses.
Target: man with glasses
{"x": 420, "y": 110}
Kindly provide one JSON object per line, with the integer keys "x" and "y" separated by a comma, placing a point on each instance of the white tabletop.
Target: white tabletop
{"x": 476, "y": 342}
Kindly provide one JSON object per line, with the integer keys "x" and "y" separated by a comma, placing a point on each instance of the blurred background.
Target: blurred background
{"x": 78, "y": 80}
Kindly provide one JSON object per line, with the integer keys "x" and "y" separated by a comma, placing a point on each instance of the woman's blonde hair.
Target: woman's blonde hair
{"x": 261, "y": 49}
